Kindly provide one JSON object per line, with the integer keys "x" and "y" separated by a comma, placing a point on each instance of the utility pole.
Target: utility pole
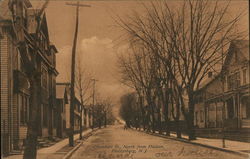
{"x": 72, "y": 90}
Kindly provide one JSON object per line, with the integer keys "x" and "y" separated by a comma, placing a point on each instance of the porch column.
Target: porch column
{"x": 239, "y": 110}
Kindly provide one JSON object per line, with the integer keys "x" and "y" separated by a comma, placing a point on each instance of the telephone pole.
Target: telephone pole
{"x": 72, "y": 90}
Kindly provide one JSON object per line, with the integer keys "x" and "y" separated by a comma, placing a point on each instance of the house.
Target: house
{"x": 62, "y": 100}
{"x": 224, "y": 101}
{"x": 209, "y": 103}
{"x": 87, "y": 119}
{"x": 47, "y": 65}
{"x": 15, "y": 87}
{"x": 237, "y": 85}
{"x": 77, "y": 108}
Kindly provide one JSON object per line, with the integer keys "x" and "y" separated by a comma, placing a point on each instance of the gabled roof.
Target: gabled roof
{"x": 66, "y": 85}
{"x": 240, "y": 47}
{"x": 44, "y": 25}
{"x": 208, "y": 80}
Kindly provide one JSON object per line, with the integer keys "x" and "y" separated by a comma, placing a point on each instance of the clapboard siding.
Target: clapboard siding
{"x": 4, "y": 83}
{"x": 15, "y": 118}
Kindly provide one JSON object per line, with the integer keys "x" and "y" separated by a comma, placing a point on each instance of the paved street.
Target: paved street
{"x": 116, "y": 143}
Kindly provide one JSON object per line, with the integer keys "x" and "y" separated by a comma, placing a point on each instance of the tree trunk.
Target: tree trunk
{"x": 159, "y": 122}
{"x": 30, "y": 150}
{"x": 167, "y": 129}
{"x": 165, "y": 100}
{"x": 105, "y": 120}
{"x": 178, "y": 131}
{"x": 190, "y": 120}
{"x": 100, "y": 124}
{"x": 153, "y": 118}
{"x": 80, "y": 133}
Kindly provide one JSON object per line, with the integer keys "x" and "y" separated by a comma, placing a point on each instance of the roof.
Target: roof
{"x": 64, "y": 85}
{"x": 206, "y": 81}
{"x": 52, "y": 46}
{"x": 242, "y": 47}
{"x": 60, "y": 91}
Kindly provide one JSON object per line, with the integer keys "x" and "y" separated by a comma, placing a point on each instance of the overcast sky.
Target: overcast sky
{"x": 97, "y": 39}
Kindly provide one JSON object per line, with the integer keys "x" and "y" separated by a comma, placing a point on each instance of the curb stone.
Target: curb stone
{"x": 199, "y": 144}
{"x": 70, "y": 153}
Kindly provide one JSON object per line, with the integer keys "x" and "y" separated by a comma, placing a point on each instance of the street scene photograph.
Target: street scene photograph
{"x": 124, "y": 79}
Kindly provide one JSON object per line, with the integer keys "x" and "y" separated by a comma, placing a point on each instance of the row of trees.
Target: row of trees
{"x": 172, "y": 48}
{"x": 102, "y": 113}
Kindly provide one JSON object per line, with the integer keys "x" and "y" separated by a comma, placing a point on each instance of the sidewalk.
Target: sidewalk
{"x": 242, "y": 147}
{"x": 57, "y": 149}
{"x": 237, "y": 147}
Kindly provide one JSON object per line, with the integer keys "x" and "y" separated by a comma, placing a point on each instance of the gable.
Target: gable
{"x": 238, "y": 54}
{"x": 44, "y": 26}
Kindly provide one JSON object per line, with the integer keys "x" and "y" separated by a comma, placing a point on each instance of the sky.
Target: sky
{"x": 99, "y": 39}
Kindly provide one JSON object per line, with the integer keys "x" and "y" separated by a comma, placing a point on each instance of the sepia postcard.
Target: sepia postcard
{"x": 124, "y": 79}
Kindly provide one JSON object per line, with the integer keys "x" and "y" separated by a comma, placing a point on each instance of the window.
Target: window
{"x": 230, "y": 82}
{"x": 201, "y": 116}
{"x": 234, "y": 80}
{"x": 244, "y": 74}
{"x": 237, "y": 79}
{"x": 24, "y": 109}
{"x": 44, "y": 78}
{"x": 196, "y": 118}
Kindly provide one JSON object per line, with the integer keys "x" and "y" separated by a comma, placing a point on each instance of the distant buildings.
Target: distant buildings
{"x": 63, "y": 101}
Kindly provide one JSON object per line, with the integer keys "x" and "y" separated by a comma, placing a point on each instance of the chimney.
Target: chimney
{"x": 210, "y": 74}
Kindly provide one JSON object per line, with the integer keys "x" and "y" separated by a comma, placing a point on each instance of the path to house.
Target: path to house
{"x": 116, "y": 143}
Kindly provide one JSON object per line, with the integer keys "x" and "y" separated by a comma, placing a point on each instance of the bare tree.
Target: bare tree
{"x": 83, "y": 86}
{"x": 127, "y": 110}
{"x": 138, "y": 71}
{"x": 107, "y": 111}
{"x": 188, "y": 37}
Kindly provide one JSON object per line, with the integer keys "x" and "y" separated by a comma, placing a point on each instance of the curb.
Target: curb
{"x": 199, "y": 144}
{"x": 70, "y": 153}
